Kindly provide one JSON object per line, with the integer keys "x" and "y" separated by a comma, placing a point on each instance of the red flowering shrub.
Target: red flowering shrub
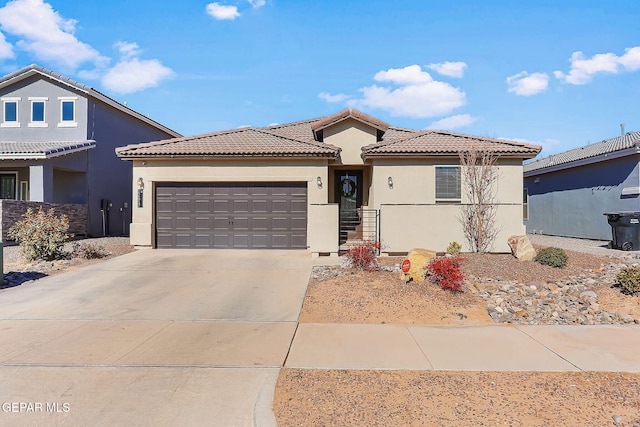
{"x": 364, "y": 255}
{"x": 445, "y": 271}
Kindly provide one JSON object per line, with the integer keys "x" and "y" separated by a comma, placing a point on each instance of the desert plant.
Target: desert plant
{"x": 445, "y": 272}
{"x": 363, "y": 255}
{"x": 88, "y": 250}
{"x": 41, "y": 234}
{"x": 554, "y": 257}
{"x": 454, "y": 248}
{"x": 478, "y": 216}
{"x": 629, "y": 279}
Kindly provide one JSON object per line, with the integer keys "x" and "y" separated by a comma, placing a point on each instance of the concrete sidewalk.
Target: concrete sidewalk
{"x": 606, "y": 348}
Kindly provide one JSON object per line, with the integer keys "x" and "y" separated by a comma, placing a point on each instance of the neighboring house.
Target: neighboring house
{"x": 314, "y": 185}
{"x": 57, "y": 141}
{"x": 569, "y": 192}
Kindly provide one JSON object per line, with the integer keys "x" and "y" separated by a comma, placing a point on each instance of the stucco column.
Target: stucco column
{"x": 40, "y": 183}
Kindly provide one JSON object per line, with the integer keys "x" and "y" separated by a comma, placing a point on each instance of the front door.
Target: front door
{"x": 348, "y": 194}
{"x": 8, "y": 186}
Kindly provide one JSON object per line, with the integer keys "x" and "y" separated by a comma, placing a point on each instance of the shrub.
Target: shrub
{"x": 88, "y": 250}
{"x": 445, "y": 272}
{"x": 554, "y": 257}
{"x": 629, "y": 279}
{"x": 454, "y": 248}
{"x": 364, "y": 255}
{"x": 41, "y": 234}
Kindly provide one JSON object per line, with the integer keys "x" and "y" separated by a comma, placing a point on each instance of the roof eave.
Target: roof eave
{"x": 131, "y": 156}
{"x": 583, "y": 162}
{"x": 442, "y": 154}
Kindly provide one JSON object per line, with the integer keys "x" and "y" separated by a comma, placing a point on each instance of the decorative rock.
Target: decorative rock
{"x": 521, "y": 248}
{"x": 420, "y": 259}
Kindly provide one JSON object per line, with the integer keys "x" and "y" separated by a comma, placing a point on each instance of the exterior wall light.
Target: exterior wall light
{"x": 319, "y": 182}
{"x": 390, "y": 182}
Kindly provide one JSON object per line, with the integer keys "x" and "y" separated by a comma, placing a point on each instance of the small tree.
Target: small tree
{"x": 478, "y": 217}
{"x": 41, "y": 234}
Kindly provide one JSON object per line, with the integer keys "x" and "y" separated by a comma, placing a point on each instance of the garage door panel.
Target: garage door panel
{"x": 260, "y": 241}
{"x": 221, "y": 223}
{"x": 232, "y": 215}
{"x": 298, "y": 223}
{"x": 203, "y": 223}
{"x": 260, "y": 206}
{"x": 298, "y": 206}
{"x": 183, "y": 205}
{"x": 260, "y": 224}
{"x": 221, "y": 206}
{"x": 241, "y": 206}
{"x": 280, "y": 206}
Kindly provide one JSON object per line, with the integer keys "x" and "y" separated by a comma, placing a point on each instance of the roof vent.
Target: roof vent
{"x": 621, "y": 129}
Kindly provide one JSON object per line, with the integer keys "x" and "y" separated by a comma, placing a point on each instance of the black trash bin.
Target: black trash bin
{"x": 625, "y": 229}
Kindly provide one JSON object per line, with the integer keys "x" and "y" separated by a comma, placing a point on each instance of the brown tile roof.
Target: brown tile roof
{"x": 298, "y": 139}
{"x": 441, "y": 143}
{"x": 346, "y": 114}
{"x": 243, "y": 142}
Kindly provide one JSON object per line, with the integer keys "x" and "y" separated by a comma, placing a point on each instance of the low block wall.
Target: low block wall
{"x": 12, "y": 211}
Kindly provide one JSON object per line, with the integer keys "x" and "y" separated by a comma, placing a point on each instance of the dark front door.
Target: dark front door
{"x": 348, "y": 194}
{"x": 7, "y": 186}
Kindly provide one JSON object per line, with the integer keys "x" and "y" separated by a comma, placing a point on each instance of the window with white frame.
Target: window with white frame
{"x": 67, "y": 111}
{"x": 10, "y": 112}
{"x": 38, "y": 112}
{"x": 448, "y": 184}
{"x": 525, "y": 204}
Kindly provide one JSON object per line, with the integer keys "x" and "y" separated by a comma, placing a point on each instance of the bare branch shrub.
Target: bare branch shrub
{"x": 478, "y": 215}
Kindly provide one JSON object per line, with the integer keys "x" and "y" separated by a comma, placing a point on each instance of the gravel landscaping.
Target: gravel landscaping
{"x": 18, "y": 271}
{"x": 498, "y": 289}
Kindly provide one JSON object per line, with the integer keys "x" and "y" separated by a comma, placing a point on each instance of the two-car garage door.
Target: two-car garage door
{"x": 231, "y": 215}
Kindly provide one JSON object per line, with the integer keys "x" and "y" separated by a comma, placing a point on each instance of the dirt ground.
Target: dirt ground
{"x": 437, "y": 398}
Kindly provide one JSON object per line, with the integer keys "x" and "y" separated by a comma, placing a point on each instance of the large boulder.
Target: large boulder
{"x": 420, "y": 259}
{"x": 521, "y": 248}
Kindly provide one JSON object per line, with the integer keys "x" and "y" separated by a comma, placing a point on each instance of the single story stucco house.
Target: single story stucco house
{"x": 315, "y": 185}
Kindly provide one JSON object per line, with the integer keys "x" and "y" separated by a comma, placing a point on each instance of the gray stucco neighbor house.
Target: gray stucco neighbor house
{"x": 57, "y": 141}
{"x": 569, "y": 192}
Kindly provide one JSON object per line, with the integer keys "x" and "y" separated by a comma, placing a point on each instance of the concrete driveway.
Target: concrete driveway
{"x": 155, "y": 337}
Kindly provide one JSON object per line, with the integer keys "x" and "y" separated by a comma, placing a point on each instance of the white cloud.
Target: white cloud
{"x": 418, "y": 95}
{"x": 127, "y": 50}
{"x": 222, "y": 12}
{"x": 6, "y": 49}
{"x": 257, "y": 3}
{"x": 526, "y": 84}
{"x": 411, "y": 75}
{"x": 549, "y": 145}
{"x": 132, "y": 74}
{"x": 583, "y": 69}
{"x": 453, "y": 122}
{"x": 45, "y": 34}
{"x": 631, "y": 59}
{"x": 449, "y": 69}
{"x": 339, "y": 97}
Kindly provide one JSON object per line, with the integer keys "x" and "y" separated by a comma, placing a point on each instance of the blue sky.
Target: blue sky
{"x": 556, "y": 73}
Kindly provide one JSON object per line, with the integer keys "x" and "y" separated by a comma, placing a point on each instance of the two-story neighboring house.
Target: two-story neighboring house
{"x": 57, "y": 142}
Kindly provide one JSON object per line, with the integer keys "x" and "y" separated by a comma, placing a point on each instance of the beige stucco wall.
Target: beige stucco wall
{"x": 414, "y": 181}
{"x": 291, "y": 170}
{"x": 434, "y": 226}
{"x": 350, "y": 135}
{"x": 411, "y": 218}
{"x": 323, "y": 221}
